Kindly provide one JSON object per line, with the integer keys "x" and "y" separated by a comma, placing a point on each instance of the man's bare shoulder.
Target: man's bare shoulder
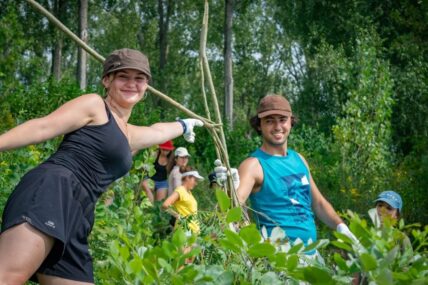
{"x": 251, "y": 175}
{"x": 251, "y": 167}
{"x": 249, "y": 162}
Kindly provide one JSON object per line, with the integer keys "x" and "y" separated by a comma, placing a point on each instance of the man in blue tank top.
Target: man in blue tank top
{"x": 277, "y": 179}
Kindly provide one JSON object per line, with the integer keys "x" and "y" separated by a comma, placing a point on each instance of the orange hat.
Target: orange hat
{"x": 168, "y": 145}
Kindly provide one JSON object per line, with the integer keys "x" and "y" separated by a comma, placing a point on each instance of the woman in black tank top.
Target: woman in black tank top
{"x": 50, "y": 213}
{"x": 163, "y": 164}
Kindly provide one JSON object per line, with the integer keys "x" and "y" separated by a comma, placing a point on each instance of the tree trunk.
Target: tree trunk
{"x": 228, "y": 77}
{"x": 59, "y": 7}
{"x": 163, "y": 31}
{"x": 165, "y": 12}
{"x": 83, "y": 32}
{"x": 56, "y": 57}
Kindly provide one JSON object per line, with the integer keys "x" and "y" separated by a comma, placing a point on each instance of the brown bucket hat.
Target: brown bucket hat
{"x": 273, "y": 105}
{"x": 126, "y": 59}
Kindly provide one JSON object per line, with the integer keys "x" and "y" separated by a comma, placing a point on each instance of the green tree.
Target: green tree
{"x": 363, "y": 134}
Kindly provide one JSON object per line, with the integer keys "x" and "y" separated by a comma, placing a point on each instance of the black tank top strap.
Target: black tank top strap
{"x": 107, "y": 110}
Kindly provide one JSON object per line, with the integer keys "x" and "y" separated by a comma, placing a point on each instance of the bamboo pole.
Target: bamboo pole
{"x": 207, "y": 70}
{"x": 218, "y": 135}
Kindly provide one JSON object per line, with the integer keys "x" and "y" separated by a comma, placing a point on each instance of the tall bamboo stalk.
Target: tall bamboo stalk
{"x": 217, "y": 134}
{"x": 207, "y": 71}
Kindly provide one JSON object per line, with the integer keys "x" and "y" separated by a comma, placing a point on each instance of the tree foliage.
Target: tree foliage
{"x": 364, "y": 132}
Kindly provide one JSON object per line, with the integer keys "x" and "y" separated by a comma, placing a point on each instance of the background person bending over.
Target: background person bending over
{"x": 182, "y": 199}
{"x": 163, "y": 164}
{"x": 277, "y": 179}
{"x": 50, "y": 214}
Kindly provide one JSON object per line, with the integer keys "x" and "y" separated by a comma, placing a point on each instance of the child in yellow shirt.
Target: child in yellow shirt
{"x": 182, "y": 199}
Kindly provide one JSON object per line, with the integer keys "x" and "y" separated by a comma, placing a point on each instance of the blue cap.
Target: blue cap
{"x": 392, "y": 198}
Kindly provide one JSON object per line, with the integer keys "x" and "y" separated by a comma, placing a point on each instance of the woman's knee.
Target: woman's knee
{"x": 161, "y": 194}
{"x": 11, "y": 278}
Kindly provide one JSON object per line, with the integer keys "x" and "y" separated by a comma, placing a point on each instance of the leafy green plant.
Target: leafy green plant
{"x": 385, "y": 255}
{"x": 230, "y": 252}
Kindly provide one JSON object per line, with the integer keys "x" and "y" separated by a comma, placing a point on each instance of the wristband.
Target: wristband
{"x": 183, "y": 124}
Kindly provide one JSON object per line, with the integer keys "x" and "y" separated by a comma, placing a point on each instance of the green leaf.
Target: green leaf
{"x": 341, "y": 245}
{"x": 390, "y": 257}
{"x": 340, "y": 261}
{"x": 316, "y": 275}
{"x": 134, "y": 266}
{"x": 114, "y": 248}
{"x": 177, "y": 280}
{"x": 270, "y": 278}
{"x": 225, "y": 278}
{"x": 179, "y": 238}
{"x": 401, "y": 224}
{"x": 359, "y": 230}
{"x": 313, "y": 245}
{"x": 296, "y": 248}
{"x": 384, "y": 277}
{"x": 368, "y": 262}
{"x": 279, "y": 259}
{"x": 150, "y": 268}
{"x": 164, "y": 264}
{"x": 343, "y": 237}
{"x": 401, "y": 276}
{"x": 189, "y": 273}
{"x": 292, "y": 261}
{"x": 250, "y": 234}
{"x": 138, "y": 164}
{"x": 242, "y": 281}
{"x": 223, "y": 200}
{"x": 230, "y": 245}
{"x": 261, "y": 250}
{"x": 234, "y": 215}
{"x": 234, "y": 238}
{"x": 124, "y": 252}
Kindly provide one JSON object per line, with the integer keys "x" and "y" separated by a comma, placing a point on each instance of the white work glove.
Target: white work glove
{"x": 222, "y": 173}
{"x": 343, "y": 229}
{"x": 188, "y": 125}
{"x": 375, "y": 217}
{"x": 235, "y": 177}
{"x": 356, "y": 245}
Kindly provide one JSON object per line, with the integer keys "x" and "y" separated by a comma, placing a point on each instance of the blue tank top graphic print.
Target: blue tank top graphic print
{"x": 285, "y": 196}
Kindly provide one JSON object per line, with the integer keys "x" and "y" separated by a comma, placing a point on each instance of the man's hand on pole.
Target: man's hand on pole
{"x": 222, "y": 173}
